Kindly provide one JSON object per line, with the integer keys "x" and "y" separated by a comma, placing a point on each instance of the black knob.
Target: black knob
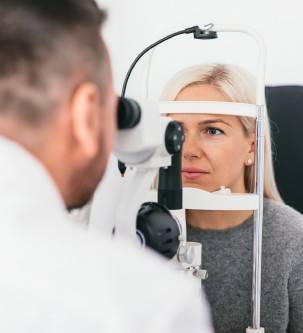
{"x": 174, "y": 137}
{"x": 158, "y": 229}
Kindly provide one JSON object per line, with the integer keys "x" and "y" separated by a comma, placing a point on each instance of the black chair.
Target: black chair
{"x": 285, "y": 107}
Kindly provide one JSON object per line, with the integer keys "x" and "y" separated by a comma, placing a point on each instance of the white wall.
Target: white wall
{"x": 133, "y": 24}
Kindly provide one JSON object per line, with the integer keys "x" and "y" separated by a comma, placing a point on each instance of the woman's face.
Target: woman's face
{"x": 216, "y": 149}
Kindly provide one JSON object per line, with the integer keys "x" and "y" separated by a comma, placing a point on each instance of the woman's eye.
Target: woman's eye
{"x": 214, "y": 131}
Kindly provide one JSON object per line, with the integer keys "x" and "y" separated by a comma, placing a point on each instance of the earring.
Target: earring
{"x": 249, "y": 162}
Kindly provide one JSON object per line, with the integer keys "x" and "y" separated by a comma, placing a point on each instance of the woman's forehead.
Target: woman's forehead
{"x": 197, "y": 119}
{"x": 202, "y": 92}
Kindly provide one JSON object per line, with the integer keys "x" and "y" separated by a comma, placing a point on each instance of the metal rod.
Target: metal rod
{"x": 258, "y": 223}
{"x": 259, "y": 173}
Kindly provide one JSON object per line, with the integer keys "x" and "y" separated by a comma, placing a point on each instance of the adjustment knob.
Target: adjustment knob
{"x": 174, "y": 137}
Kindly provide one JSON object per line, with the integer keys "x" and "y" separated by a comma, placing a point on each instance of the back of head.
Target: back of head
{"x": 42, "y": 54}
{"x": 56, "y": 97}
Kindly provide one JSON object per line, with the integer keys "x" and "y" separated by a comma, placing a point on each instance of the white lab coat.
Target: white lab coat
{"x": 55, "y": 277}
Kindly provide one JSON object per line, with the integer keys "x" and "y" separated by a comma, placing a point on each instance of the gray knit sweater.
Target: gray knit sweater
{"x": 227, "y": 256}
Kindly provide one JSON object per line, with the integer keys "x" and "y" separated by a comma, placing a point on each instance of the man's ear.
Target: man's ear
{"x": 85, "y": 117}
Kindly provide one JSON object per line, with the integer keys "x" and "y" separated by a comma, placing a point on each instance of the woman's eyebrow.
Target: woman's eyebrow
{"x": 180, "y": 122}
{"x": 212, "y": 121}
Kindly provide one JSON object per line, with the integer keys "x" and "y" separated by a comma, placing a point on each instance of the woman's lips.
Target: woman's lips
{"x": 193, "y": 173}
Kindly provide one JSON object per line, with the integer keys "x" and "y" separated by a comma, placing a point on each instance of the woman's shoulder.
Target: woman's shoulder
{"x": 283, "y": 241}
{"x": 282, "y": 219}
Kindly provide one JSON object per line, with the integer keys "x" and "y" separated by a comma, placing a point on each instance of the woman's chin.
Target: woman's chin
{"x": 204, "y": 187}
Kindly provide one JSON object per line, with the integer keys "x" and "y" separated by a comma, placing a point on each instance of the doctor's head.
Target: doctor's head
{"x": 56, "y": 92}
{"x": 219, "y": 150}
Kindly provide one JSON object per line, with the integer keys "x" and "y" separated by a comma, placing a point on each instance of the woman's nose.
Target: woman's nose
{"x": 191, "y": 148}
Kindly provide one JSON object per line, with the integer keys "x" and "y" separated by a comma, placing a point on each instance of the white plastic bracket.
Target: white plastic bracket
{"x": 209, "y": 107}
{"x": 255, "y": 330}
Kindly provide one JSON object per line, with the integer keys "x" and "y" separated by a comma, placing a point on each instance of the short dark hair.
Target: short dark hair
{"x": 44, "y": 46}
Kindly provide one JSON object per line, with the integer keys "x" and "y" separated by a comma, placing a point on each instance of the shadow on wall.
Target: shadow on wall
{"x": 285, "y": 107}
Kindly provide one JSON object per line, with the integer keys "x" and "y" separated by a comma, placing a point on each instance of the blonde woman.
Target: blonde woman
{"x": 220, "y": 150}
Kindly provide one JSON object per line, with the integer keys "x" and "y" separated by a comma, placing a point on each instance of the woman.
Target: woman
{"x": 219, "y": 150}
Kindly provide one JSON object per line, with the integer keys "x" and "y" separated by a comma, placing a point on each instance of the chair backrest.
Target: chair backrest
{"x": 285, "y": 107}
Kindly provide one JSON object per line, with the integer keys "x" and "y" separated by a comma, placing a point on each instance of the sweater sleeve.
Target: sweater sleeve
{"x": 295, "y": 291}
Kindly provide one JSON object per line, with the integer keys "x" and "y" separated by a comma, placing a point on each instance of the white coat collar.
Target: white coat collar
{"x": 23, "y": 179}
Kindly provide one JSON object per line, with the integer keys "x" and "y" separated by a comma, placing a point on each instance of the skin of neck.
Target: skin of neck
{"x": 219, "y": 220}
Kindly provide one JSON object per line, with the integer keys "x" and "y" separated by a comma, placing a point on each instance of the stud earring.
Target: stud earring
{"x": 249, "y": 162}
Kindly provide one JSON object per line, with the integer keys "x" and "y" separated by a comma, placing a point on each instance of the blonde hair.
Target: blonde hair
{"x": 239, "y": 85}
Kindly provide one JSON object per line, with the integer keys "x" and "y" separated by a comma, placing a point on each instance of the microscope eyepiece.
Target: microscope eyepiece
{"x": 129, "y": 113}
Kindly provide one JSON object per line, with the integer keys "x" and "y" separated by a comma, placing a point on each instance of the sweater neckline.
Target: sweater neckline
{"x": 248, "y": 223}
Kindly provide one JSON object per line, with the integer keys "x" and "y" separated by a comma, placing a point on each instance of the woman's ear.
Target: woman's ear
{"x": 250, "y": 158}
{"x": 85, "y": 118}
